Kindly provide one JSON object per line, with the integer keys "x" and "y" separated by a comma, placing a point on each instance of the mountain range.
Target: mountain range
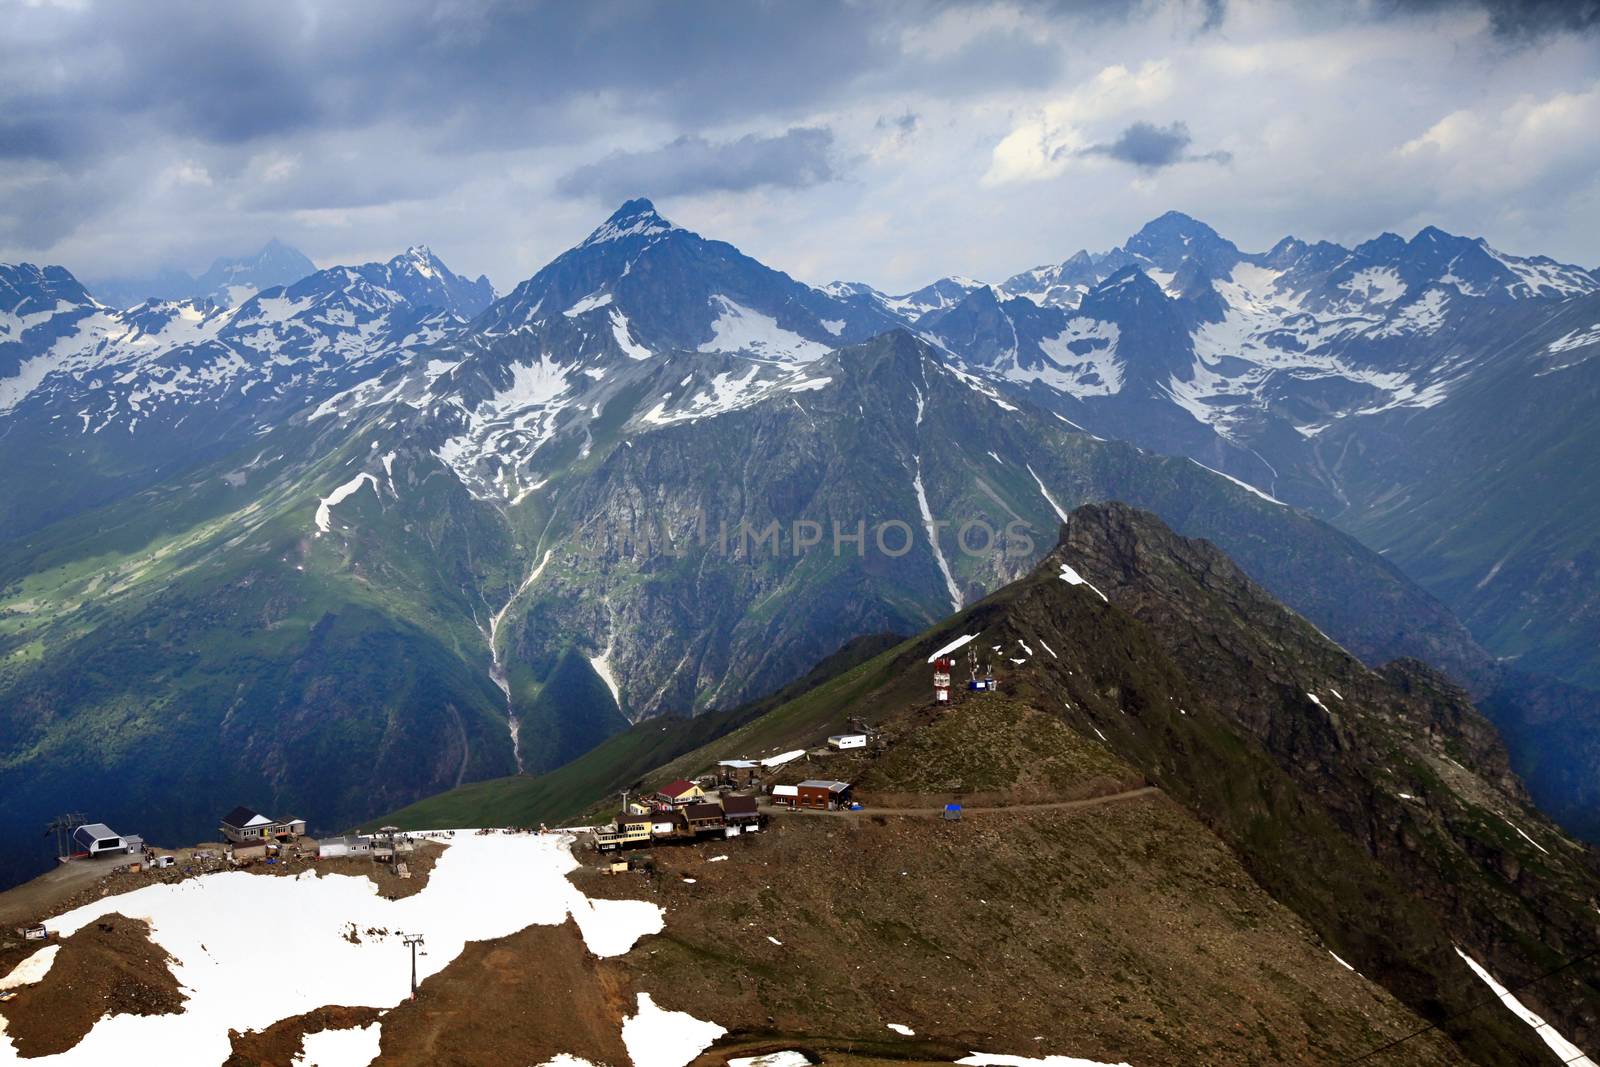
{"x": 228, "y": 281}
{"x": 376, "y": 533}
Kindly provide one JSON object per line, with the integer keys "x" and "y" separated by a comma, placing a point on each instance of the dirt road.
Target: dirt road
{"x": 30, "y": 900}
{"x": 1053, "y": 805}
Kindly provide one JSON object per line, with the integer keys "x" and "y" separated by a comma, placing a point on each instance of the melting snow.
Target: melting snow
{"x": 658, "y": 1038}
{"x": 786, "y": 1058}
{"x": 624, "y": 337}
{"x": 588, "y": 303}
{"x": 353, "y": 1047}
{"x": 1576, "y": 339}
{"x": 741, "y": 329}
{"x": 326, "y": 505}
{"x": 933, "y": 538}
{"x": 602, "y": 667}
{"x": 483, "y": 887}
{"x": 952, "y": 646}
{"x": 1241, "y": 484}
{"x": 1072, "y": 577}
{"x": 32, "y": 969}
{"x": 1375, "y": 285}
{"x": 902, "y": 1029}
{"x": 1568, "y": 1052}
{"x": 1083, "y": 359}
{"x": 1048, "y": 499}
{"x": 990, "y": 1059}
{"x": 1341, "y": 962}
{"x": 1525, "y": 837}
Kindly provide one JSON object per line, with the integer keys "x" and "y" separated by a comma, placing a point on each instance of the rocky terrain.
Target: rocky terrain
{"x": 1375, "y": 805}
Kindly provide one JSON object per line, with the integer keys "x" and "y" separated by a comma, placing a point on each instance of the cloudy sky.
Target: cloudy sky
{"x": 888, "y": 142}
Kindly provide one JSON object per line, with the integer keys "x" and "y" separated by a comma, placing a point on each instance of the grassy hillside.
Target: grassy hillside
{"x": 651, "y": 749}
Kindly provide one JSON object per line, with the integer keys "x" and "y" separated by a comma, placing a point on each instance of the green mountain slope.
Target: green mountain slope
{"x": 338, "y": 609}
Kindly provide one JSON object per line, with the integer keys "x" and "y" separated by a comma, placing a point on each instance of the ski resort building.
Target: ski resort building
{"x": 738, "y": 772}
{"x": 822, "y": 795}
{"x": 681, "y": 793}
{"x": 690, "y": 822}
{"x": 97, "y": 839}
{"x": 245, "y": 827}
{"x": 840, "y": 742}
{"x": 741, "y": 811}
{"x": 339, "y": 847}
{"x": 704, "y": 817}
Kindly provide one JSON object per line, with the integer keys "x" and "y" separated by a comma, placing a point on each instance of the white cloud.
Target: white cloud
{"x": 187, "y": 172}
{"x": 1048, "y": 142}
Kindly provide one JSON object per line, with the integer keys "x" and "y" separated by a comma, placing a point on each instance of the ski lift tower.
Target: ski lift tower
{"x": 62, "y": 826}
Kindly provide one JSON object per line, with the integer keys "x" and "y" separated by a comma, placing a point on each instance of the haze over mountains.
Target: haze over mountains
{"x": 361, "y": 524}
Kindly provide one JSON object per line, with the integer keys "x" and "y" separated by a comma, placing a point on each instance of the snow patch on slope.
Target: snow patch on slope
{"x": 326, "y": 505}
{"x": 1568, "y": 1052}
{"x": 658, "y": 1038}
{"x": 483, "y": 887}
{"x": 741, "y": 329}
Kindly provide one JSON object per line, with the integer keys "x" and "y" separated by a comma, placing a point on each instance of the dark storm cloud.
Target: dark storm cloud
{"x": 1519, "y": 21}
{"x": 795, "y": 159}
{"x": 1152, "y": 147}
{"x": 34, "y": 138}
{"x": 249, "y": 71}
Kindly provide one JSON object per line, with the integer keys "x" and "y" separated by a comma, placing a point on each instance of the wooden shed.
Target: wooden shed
{"x": 787, "y": 796}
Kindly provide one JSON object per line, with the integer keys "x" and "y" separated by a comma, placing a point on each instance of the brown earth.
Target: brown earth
{"x": 280, "y": 1043}
{"x": 391, "y": 886}
{"x": 1120, "y": 932}
{"x": 110, "y": 967}
{"x": 520, "y": 999}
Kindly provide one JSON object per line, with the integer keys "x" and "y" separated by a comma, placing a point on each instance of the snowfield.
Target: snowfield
{"x": 283, "y": 945}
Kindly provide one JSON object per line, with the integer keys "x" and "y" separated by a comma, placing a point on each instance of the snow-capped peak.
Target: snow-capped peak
{"x": 635, "y": 218}
{"x": 421, "y": 259}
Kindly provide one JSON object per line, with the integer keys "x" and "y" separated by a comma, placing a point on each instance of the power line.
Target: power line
{"x": 1498, "y": 998}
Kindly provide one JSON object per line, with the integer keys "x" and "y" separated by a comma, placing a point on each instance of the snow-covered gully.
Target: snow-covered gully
{"x": 928, "y": 524}
{"x": 497, "y": 666}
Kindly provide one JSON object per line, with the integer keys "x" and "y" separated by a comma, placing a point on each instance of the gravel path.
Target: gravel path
{"x": 1053, "y": 805}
